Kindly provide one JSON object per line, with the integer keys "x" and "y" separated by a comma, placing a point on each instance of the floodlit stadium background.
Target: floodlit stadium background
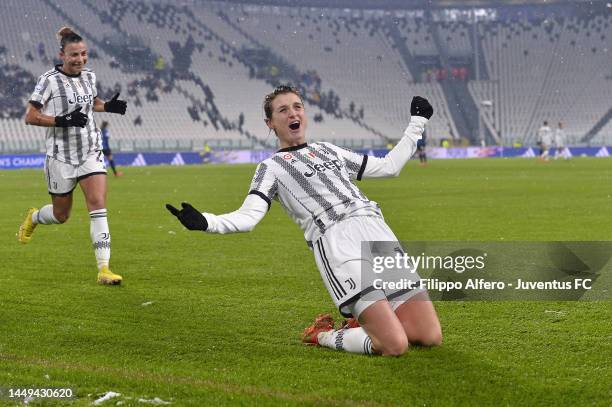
{"x": 195, "y": 72}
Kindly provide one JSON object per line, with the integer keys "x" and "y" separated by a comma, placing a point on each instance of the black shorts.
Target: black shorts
{"x": 107, "y": 152}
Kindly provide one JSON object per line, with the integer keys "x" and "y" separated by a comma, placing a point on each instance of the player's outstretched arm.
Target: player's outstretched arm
{"x": 391, "y": 165}
{"x": 189, "y": 216}
{"x": 244, "y": 219}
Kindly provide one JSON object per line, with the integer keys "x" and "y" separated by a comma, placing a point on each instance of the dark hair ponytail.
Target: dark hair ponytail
{"x": 66, "y": 36}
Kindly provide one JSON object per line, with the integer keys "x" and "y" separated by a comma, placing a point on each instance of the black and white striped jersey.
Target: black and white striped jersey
{"x": 60, "y": 93}
{"x": 314, "y": 184}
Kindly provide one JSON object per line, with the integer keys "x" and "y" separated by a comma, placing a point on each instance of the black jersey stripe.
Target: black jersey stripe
{"x": 262, "y": 196}
{"x": 324, "y": 178}
{"x": 350, "y": 164}
{"x": 260, "y": 175}
{"x": 330, "y": 269}
{"x": 355, "y": 192}
{"x": 49, "y": 74}
{"x": 301, "y": 180}
{"x": 64, "y": 130}
{"x": 363, "y": 167}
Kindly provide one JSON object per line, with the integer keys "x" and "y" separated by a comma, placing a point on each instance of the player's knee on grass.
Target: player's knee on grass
{"x": 430, "y": 337}
{"x": 392, "y": 345}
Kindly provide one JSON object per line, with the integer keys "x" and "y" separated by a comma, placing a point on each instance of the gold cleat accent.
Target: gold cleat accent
{"x": 107, "y": 277}
{"x": 27, "y": 227}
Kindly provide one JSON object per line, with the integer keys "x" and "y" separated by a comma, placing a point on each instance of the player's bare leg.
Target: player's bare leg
{"x": 384, "y": 328}
{"x": 56, "y": 212}
{"x": 420, "y": 321}
{"x": 62, "y": 206}
{"x": 380, "y": 332}
{"x": 94, "y": 189}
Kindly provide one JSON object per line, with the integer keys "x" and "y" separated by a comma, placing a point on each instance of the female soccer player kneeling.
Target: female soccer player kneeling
{"x": 314, "y": 184}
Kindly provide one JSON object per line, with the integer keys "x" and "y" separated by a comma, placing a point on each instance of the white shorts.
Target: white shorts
{"x": 345, "y": 259}
{"x": 62, "y": 178}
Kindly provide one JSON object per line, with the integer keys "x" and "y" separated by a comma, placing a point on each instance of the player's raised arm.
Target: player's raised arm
{"x": 391, "y": 165}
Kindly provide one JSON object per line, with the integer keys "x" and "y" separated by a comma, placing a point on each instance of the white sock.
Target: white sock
{"x": 100, "y": 236}
{"x": 354, "y": 340}
{"x": 44, "y": 216}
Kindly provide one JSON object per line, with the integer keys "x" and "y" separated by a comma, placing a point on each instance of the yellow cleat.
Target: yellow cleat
{"x": 107, "y": 277}
{"x": 27, "y": 227}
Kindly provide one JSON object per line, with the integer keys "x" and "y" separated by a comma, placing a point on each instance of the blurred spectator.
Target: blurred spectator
{"x": 15, "y": 86}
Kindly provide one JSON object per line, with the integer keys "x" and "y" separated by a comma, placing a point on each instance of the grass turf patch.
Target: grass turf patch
{"x": 205, "y": 319}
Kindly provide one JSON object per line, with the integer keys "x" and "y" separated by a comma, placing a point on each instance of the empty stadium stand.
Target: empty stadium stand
{"x": 195, "y": 72}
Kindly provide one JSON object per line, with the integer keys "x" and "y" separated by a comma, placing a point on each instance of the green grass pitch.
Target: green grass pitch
{"x": 225, "y": 313}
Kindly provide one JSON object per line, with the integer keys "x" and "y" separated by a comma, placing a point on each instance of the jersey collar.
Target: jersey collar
{"x": 71, "y": 75}
{"x": 293, "y": 148}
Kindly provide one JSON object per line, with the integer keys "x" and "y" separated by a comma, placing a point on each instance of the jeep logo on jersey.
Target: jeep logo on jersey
{"x": 329, "y": 165}
{"x": 81, "y": 99}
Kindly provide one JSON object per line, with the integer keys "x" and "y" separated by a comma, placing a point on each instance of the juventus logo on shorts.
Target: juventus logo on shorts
{"x": 351, "y": 283}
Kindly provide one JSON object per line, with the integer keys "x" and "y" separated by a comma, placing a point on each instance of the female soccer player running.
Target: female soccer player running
{"x": 63, "y": 101}
{"x": 314, "y": 184}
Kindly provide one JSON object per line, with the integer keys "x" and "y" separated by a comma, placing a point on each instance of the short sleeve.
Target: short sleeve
{"x": 355, "y": 162}
{"x": 94, "y": 86}
{"x": 264, "y": 183}
{"x": 42, "y": 91}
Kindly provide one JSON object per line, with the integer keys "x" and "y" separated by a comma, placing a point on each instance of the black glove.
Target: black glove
{"x": 73, "y": 119}
{"x": 421, "y": 107}
{"x": 189, "y": 216}
{"x": 115, "y": 106}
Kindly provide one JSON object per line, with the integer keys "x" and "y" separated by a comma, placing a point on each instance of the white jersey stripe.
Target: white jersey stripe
{"x": 91, "y": 124}
{"x": 77, "y": 130}
{"x": 62, "y": 130}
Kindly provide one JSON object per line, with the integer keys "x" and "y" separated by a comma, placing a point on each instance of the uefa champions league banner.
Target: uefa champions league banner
{"x": 22, "y": 161}
{"x": 255, "y": 156}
